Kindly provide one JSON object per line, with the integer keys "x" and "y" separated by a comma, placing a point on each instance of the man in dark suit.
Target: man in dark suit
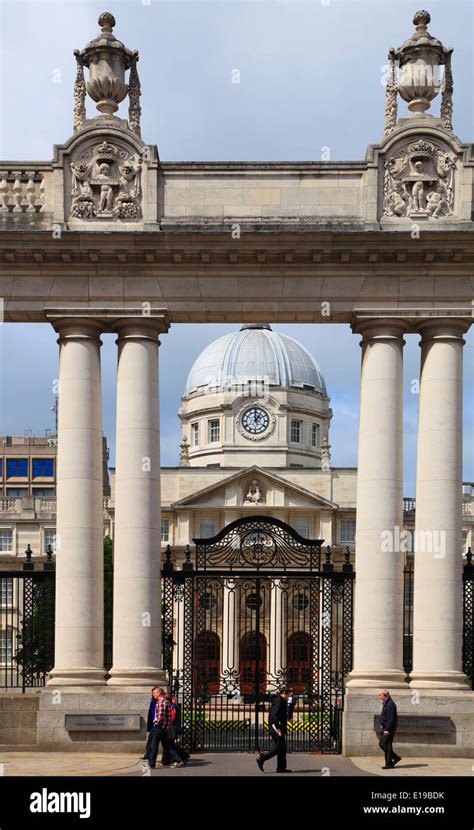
{"x": 281, "y": 711}
{"x": 388, "y": 727}
{"x": 149, "y": 722}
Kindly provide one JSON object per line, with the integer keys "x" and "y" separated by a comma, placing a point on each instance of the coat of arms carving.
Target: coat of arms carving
{"x": 419, "y": 182}
{"x": 106, "y": 184}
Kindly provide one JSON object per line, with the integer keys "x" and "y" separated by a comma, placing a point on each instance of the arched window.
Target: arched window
{"x": 253, "y": 653}
{"x": 207, "y": 662}
{"x": 299, "y": 652}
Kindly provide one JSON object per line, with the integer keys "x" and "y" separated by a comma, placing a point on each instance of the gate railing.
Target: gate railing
{"x": 468, "y": 618}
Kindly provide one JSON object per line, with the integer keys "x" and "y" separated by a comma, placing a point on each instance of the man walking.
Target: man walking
{"x": 161, "y": 726}
{"x": 149, "y": 721}
{"x": 280, "y": 712}
{"x": 388, "y": 727}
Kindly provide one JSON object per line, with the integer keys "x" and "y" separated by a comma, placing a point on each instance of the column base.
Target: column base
{"x": 382, "y": 679}
{"x": 77, "y": 677}
{"x": 450, "y": 680}
{"x": 146, "y": 677}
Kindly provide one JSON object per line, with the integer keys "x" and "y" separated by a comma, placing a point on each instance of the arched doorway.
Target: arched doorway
{"x": 299, "y": 648}
{"x": 207, "y": 663}
{"x": 253, "y": 660}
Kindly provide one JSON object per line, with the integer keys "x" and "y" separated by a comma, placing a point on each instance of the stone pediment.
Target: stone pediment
{"x": 251, "y": 488}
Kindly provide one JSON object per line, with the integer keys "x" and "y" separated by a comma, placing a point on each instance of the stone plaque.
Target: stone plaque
{"x": 423, "y": 724}
{"x": 102, "y": 723}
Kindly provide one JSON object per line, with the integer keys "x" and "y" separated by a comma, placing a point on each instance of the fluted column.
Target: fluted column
{"x": 137, "y": 648}
{"x": 378, "y": 613}
{"x": 79, "y": 627}
{"x": 437, "y": 614}
{"x": 230, "y": 638}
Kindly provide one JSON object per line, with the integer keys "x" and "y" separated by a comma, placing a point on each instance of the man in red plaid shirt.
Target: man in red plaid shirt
{"x": 161, "y": 725}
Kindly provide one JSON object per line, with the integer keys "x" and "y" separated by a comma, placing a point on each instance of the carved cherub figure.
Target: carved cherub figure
{"x": 106, "y": 192}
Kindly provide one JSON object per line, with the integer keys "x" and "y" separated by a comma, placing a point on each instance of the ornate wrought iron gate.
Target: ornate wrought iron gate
{"x": 258, "y": 609}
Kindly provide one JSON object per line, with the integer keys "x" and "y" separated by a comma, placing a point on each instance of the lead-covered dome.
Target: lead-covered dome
{"x": 255, "y": 353}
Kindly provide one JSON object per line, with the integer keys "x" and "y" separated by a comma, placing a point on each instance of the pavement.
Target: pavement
{"x": 223, "y": 764}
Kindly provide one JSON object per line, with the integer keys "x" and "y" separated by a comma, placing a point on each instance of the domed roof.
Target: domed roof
{"x": 255, "y": 353}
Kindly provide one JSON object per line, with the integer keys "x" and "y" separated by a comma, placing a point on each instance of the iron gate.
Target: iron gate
{"x": 255, "y": 611}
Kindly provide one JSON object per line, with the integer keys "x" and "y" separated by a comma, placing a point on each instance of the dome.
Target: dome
{"x": 255, "y": 353}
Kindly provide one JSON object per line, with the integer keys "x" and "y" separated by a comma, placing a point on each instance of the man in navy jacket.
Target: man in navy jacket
{"x": 149, "y": 721}
{"x": 388, "y": 727}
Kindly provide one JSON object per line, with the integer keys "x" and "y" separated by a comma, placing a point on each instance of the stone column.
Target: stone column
{"x": 137, "y": 550}
{"x": 230, "y": 637}
{"x": 378, "y": 611}
{"x": 277, "y": 644}
{"x": 437, "y": 614}
{"x": 79, "y": 639}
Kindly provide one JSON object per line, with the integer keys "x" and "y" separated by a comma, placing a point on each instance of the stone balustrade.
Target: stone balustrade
{"x": 23, "y": 190}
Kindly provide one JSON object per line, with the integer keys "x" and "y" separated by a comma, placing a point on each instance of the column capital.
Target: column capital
{"x": 76, "y": 327}
{"x": 379, "y": 328}
{"x": 140, "y": 327}
{"x": 442, "y": 329}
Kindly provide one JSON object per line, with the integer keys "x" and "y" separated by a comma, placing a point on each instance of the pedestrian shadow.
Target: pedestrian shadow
{"x": 410, "y": 766}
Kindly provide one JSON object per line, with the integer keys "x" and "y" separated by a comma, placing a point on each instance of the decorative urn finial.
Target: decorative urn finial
{"x": 107, "y": 60}
{"x": 414, "y": 73}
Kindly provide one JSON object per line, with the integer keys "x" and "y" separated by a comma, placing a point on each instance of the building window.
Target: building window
{"x": 300, "y": 602}
{"x": 43, "y": 467}
{"x": 44, "y": 492}
{"x": 207, "y": 602}
{"x": 6, "y": 646}
{"x": 348, "y": 530}
{"x": 253, "y": 601}
{"x": 6, "y": 591}
{"x": 207, "y": 527}
{"x": 17, "y": 467}
{"x": 165, "y": 530}
{"x": 214, "y": 431}
{"x": 464, "y": 541}
{"x": 17, "y": 492}
{"x": 195, "y": 435}
{"x": 315, "y": 430}
{"x": 301, "y": 525}
{"x": 296, "y": 430}
{"x": 50, "y": 538}
{"x": 6, "y": 540}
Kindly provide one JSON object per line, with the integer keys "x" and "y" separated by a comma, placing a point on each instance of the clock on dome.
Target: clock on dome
{"x": 255, "y": 420}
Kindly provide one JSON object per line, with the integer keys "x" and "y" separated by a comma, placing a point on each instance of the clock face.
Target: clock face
{"x": 255, "y": 420}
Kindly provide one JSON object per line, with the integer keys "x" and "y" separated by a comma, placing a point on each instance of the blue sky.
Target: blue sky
{"x": 310, "y": 77}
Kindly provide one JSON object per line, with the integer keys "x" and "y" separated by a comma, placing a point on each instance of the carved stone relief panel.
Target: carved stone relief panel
{"x": 105, "y": 183}
{"x": 419, "y": 181}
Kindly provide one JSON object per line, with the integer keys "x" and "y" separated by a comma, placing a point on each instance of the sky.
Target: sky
{"x": 311, "y": 75}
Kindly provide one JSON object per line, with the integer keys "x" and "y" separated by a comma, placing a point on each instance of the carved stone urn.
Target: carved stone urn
{"x": 107, "y": 60}
{"x": 419, "y": 60}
